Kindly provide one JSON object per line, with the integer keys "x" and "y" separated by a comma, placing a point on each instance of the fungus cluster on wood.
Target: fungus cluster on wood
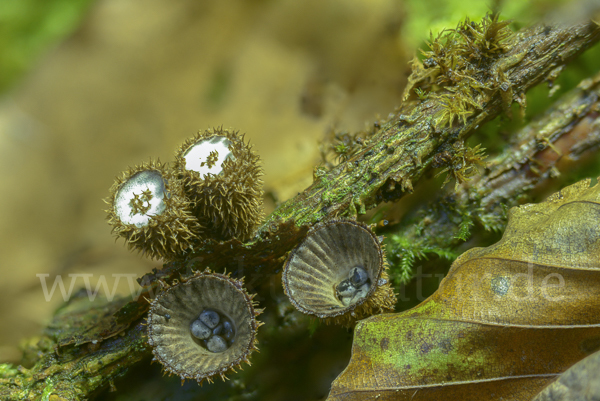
{"x": 223, "y": 179}
{"x": 206, "y": 324}
{"x": 338, "y": 273}
{"x": 143, "y": 203}
{"x": 203, "y": 326}
{"x": 214, "y": 190}
{"x": 149, "y": 210}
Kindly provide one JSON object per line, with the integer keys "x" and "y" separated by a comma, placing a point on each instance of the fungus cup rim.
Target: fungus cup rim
{"x": 229, "y": 203}
{"x": 166, "y": 235}
{"x": 172, "y": 366}
{"x": 337, "y": 312}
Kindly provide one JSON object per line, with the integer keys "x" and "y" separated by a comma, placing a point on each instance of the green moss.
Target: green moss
{"x": 460, "y": 161}
{"x": 48, "y": 389}
{"x": 459, "y": 63}
{"x": 436, "y": 15}
{"x": 404, "y": 251}
{"x": 338, "y": 147}
{"x": 7, "y": 370}
{"x": 464, "y": 229}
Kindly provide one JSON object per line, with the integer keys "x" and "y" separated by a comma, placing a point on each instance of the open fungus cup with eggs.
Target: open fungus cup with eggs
{"x": 203, "y": 326}
{"x": 148, "y": 208}
{"x": 338, "y": 273}
{"x": 222, "y": 177}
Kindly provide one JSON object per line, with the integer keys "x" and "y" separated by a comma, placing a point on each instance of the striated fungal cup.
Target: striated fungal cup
{"x": 203, "y": 326}
{"x": 148, "y": 208}
{"x": 338, "y": 273}
{"x": 223, "y": 179}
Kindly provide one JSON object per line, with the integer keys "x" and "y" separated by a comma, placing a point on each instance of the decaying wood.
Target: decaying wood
{"x": 565, "y": 136}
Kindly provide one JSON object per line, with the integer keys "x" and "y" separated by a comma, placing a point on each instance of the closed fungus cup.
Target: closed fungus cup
{"x": 223, "y": 178}
{"x": 338, "y": 273}
{"x": 148, "y": 207}
{"x": 203, "y": 326}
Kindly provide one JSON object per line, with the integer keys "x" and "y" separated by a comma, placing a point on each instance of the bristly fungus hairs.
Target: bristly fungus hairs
{"x": 147, "y": 208}
{"x": 339, "y": 273}
{"x": 213, "y": 191}
{"x": 222, "y": 177}
{"x": 203, "y": 326}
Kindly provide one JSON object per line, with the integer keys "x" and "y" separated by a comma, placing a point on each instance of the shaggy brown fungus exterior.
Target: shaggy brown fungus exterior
{"x": 338, "y": 273}
{"x": 148, "y": 208}
{"x": 223, "y": 178}
{"x": 203, "y": 326}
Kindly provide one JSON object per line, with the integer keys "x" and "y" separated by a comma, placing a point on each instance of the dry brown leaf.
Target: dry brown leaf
{"x": 505, "y": 321}
{"x": 581, "y": 382}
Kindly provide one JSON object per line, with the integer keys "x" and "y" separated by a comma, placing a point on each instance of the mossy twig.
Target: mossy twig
{"x": 568, "y": 131}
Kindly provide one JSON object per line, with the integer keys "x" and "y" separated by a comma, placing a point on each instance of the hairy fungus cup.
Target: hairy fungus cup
{"x": 338, "y": 273}
{"x": 148, "y": 208}
{"x": 203, "y": 326}
{"x": 223, "y": 179}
